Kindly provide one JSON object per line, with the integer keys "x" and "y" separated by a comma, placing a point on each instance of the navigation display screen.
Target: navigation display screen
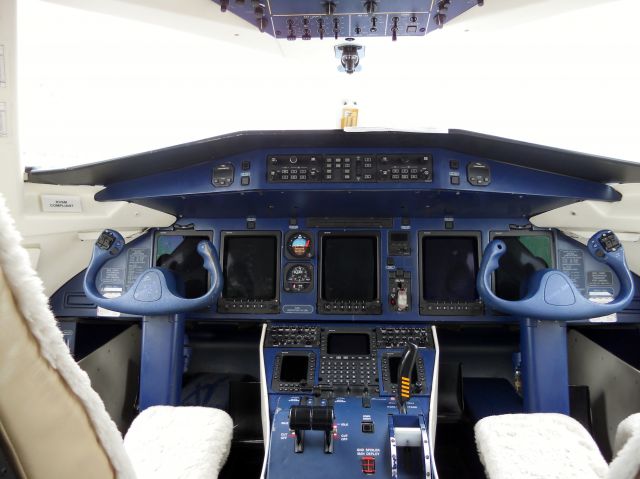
{"x": 349, "y": 268}
{"x": 525, "y": 255}
{"x": 250, "y": 267}
{"x": 179, "y": 253}
{"x": 348, "y": 343}
{"x": 449, "y": 268}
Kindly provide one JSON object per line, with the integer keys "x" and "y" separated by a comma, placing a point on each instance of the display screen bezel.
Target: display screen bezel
{"x": 515, "y": 233}
{"x": 363, "y": 234}
{"x": 159, "y": 233}
{"x": 275, "y": 234}
{"x": 447, "y": 234}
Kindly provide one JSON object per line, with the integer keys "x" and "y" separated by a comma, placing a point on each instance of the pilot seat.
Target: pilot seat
{"x": 53, "y": 425}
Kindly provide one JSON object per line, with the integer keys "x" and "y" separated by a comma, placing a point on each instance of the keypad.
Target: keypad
{"x": 399, "y": 337}
{"x": 348, "y": 370}
{"x": 293, "y": 336}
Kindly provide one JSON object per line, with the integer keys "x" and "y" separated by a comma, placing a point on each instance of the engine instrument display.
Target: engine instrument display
{"x": 349, "y": 268}
{"x": 349, "y": 281}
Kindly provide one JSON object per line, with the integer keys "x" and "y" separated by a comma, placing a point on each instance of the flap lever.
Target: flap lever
{"x": 405, "y": 371}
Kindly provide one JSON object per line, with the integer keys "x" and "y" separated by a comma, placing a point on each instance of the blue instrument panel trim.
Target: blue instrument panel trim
{"x": 69, "y": 300}
{"x": 173, "y": 158}
{"x": 514, "y": 191}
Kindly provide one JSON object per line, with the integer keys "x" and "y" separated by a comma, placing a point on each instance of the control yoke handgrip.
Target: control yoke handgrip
{"x": 405, "y": 371}
{"x": 155, "y": 291}
{"x": 551, "y": 294}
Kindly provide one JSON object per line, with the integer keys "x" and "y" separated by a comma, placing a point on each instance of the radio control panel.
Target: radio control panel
{"x": 350, "y": 168}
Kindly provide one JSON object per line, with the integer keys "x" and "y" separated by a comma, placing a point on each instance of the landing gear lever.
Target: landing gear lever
{"x": 405, "y": 370}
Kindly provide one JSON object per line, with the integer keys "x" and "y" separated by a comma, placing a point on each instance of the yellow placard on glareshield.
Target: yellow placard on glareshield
{"x": 349, "y": 116}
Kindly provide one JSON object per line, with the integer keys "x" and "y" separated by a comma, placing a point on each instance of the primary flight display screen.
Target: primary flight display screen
{"x": 526, "y": 254}
{"x": 250, "y": 265}
{"x": 449, "y": 268}
{"x": 179, "y": 253}
{"x": 349, "y": 268}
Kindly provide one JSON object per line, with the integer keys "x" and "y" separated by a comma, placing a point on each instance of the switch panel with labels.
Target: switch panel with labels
{"x": 400, "y": 290}
{"x": 353, "y": 168}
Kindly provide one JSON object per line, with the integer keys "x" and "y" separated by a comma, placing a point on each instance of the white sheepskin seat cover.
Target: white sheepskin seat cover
{"x": 626, "y": 464}
{"x": 528, "y": 446}
{"x": 179, "y": 443}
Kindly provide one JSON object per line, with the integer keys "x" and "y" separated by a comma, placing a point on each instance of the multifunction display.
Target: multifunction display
{"x": 449, "y": 264}
{"x": 250, "y": 264}
{"x": 350, "y": 168}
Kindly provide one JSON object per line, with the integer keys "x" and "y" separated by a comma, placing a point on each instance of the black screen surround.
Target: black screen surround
{"x": 449, "y": 265}
{"x": 251, "y": 271}
{"x": 349, "y": 273}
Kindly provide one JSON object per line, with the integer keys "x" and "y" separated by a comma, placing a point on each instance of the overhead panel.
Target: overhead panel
{"x": 319, "y": 19}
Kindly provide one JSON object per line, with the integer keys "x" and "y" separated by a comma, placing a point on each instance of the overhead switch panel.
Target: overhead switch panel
{"x": 317, "y": 19}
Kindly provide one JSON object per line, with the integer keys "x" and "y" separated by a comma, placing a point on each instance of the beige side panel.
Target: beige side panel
{"x": 62, "y": 242}
{"x": 114, "y": 370}
{"x": 45, "y": 422}
{"x": 581, "y": 220}
{"x": 614, "y": 386}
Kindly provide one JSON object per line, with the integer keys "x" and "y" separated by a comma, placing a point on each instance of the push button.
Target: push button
{"x": 368, "y": 427}
{"x": 368, "y": 465}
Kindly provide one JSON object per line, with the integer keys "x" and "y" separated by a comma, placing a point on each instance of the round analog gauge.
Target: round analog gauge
{"x": 299, "y": 245}
{"x": 298, "y": 278}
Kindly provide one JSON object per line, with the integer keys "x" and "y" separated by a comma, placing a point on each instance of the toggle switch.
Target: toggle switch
{"x": 403, "y": 300}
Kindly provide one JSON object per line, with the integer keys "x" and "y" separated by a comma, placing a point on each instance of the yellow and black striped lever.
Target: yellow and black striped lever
{"x": 405, "y": 371}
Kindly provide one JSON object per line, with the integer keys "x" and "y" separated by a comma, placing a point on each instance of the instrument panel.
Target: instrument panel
{"x": 361, "y": 240}
{"x": 319, "y": 270}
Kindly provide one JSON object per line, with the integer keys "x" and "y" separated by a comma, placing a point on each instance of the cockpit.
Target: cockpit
{"x": 335, "y": 303}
